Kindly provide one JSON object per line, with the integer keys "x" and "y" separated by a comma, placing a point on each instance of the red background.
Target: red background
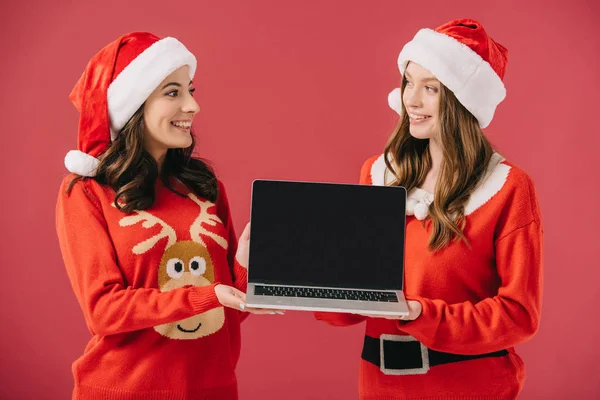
{"x": 298, "y": 90}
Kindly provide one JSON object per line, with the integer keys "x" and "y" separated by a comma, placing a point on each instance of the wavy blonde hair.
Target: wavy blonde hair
{"x": 466, "y": 155}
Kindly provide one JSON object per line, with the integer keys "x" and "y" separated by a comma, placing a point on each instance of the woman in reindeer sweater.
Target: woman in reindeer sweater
{"x": 473, "y": 233}
{"x": 146, "y": 235}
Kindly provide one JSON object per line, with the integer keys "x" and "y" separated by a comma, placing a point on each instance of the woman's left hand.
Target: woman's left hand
{"x": 414, "y": 311}
{"x": 243, "y": 249}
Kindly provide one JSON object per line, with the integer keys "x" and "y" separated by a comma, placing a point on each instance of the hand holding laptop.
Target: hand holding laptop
{"x": 414, "y": 311}
{"x": 243, "y": 249}
{"x": 242, "y": 258}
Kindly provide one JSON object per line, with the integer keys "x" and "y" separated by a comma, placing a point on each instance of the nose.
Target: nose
{"x": 190, "y": 105}
{"x": 411, "y": 97}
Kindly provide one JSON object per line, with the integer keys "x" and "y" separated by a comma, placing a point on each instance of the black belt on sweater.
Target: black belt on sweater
{"x": 404, "y": 355}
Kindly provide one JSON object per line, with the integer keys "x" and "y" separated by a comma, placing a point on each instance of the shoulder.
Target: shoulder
{"x": 80, "y": 200}
{"x": 508, "y": 189}
{"x": 83, "y": 192}
{"x": 73, "y": 185}
{"x": 220, "y": 185}
{"x": 520, "y": 193}
{"x": 221, "y": 192}
{"x": 518, "y": 177}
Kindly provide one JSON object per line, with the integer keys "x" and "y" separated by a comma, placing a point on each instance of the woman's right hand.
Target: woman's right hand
{"x": 415, "y": 308}
{"x": 230, "y": 297}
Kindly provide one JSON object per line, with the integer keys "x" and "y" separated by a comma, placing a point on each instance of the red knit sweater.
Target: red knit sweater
{"x": 476, "y": 300}
{"x": 145, "y": 282}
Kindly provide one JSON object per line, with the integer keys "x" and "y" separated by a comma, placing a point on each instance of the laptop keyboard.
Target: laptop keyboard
{"x": 339, "y": 294}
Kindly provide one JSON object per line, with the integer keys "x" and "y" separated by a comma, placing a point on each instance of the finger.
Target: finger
{"x": 236, "y": 304}
{"x": 256, "y": 310}
{"x": 240, "y": 298}
{"x": 379, "y": 316}
{"x": 262, "y": 311}
{"x": 259, "y": 311}
{"x": 232, "y": 301}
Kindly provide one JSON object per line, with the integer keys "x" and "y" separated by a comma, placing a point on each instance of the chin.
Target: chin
{"x": 181, "y": 144}
{"x": 419, "y": 134}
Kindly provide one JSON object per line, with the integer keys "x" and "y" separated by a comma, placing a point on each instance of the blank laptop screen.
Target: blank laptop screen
{"x": 327, "y": 235}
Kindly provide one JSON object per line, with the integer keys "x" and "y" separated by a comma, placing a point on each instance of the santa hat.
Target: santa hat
{"x": 115, "y": 83}
{"x": 465, "y": 59}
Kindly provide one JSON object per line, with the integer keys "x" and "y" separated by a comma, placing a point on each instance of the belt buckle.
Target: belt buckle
{"x": 409, "y": 371}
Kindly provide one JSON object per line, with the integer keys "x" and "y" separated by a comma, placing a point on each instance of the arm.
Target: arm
{"x": 505, "y": 320}
{"x": 109, "y": 306}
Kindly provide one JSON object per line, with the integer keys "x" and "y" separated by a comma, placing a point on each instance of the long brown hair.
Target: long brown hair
{"x": 466, "y": 154}
{"x": 132, "y": 172}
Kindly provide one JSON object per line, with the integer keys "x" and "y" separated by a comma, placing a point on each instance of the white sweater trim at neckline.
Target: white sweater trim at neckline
{"x": 419, "y": 200}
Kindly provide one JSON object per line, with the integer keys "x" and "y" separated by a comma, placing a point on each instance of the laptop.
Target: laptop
{"x": 327, "y": 247}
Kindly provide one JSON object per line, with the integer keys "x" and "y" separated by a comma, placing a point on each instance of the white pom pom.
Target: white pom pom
{"x": 421, "y": 211}
{"x": 410, "y": 206}
{"x": 81, "y": 163}
{"x": 395, "y": 100}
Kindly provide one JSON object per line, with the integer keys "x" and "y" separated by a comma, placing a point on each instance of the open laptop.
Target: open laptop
{"x": 327, "y": 247}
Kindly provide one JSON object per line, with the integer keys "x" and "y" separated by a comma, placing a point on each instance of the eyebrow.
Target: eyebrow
{"x": 174, "y": 84}
{"x": 425, "y": 80}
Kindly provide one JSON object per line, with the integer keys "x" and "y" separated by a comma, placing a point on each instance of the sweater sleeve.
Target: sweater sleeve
{"x": 345, "y": 319}
{"x": 507, "y": 319}
{"x": 109, "y": 305}
{"x": 239, "y": 274}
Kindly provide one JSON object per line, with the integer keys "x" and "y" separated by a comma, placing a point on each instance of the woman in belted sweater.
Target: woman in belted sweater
{"x": 473, "y": 233}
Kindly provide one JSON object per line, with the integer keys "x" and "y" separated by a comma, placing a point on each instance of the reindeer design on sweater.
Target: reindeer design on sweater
{"x": 184, "y": 262}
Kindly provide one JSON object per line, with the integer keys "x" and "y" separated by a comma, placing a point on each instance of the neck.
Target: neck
{"x": 160, "y": 160}
{"x": 158, "y": 155}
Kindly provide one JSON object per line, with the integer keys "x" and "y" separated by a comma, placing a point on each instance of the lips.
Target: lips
{"x": 418, "y": 117}
{"x": 186, "y": 125}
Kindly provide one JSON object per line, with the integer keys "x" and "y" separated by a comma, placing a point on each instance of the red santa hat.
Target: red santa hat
{"x": 115, "y": 83}
{"x": 465, "y": 59}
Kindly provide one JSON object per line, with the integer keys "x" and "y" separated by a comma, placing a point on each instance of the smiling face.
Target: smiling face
{"x": 168, "y": 114}
{"x": 421, "y": 98}
{"x": 187, "y": 263}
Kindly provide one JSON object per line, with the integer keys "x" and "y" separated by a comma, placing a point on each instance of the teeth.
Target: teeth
{"x": 180, "y": 124}
{"x": 414, "y": 116}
